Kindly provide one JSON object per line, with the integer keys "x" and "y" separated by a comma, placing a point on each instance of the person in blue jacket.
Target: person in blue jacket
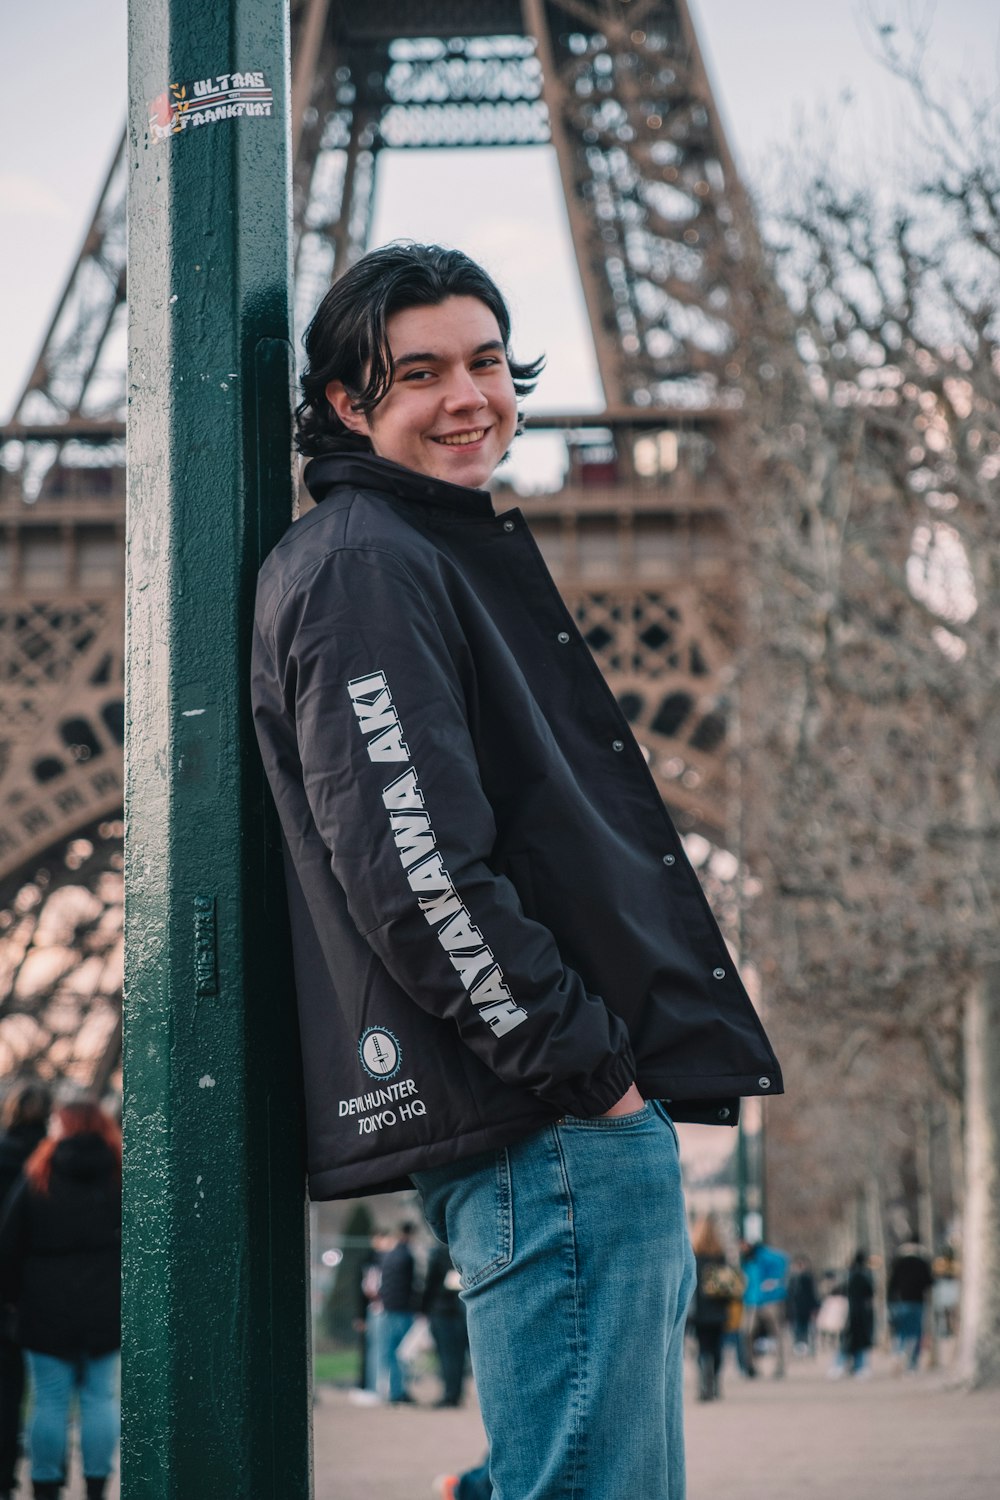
{"x": 766, "y": 1272}
{"x": 509, "y": 980}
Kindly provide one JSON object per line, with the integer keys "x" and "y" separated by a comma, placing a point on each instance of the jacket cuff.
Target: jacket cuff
{"x": 596, "y": 1095}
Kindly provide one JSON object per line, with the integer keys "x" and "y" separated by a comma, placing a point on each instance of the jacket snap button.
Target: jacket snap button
{"x": 718, "y": 973}
{"x": 669, "y": 859}
{"x": 618, "y": 744}
{"x": 765, "y": 1083}
{"x": 723, "y": 1114}
{"x": 563, "y": 637}
{"x": 508, "y": 526}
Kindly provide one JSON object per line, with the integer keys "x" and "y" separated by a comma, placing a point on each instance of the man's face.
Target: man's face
{"x": 451, "y": 411}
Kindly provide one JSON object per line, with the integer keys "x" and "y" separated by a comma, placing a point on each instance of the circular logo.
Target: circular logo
{"x": 379, "y": 1052}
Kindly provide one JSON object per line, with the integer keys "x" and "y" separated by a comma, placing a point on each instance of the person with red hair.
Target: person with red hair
{"x": 60, "y": 1252}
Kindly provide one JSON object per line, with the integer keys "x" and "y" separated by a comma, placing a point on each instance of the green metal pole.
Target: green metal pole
{"x": 762, "y": 1170}
{"x": 215, "y": 1382}
{"x": 741, "y": 1180}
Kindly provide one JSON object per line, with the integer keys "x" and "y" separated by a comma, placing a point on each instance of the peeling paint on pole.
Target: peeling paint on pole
{"x": 215, "y": 1342}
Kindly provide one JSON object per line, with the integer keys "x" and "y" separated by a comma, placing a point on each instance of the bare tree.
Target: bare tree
{"x": 872, "y": 688}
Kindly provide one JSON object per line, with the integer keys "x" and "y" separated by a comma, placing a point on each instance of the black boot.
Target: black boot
{"x": 46, "y": 1489}
{"x": 96, "y": 1488}
{"x": 706, "y": 1377}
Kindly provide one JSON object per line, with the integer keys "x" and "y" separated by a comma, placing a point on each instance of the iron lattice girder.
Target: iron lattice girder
{"x": 661, "y": 232}
{"x": 661, "y": 225}
{"x": 386, "y": 20}
{"x": 658, "y": 217}
{"x": 80, "y": 371}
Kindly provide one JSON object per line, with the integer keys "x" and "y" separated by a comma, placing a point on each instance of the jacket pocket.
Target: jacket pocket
{"x": 469, "y": 1205}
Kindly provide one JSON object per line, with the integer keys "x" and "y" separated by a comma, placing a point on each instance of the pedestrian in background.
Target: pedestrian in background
{"x": 766, "y": 1272}
{"x": 910, "y": 1279}
{"x": 802, "y": 1305}
{"x": 732, "y": 1333}
{"x": 24, "y": 1120}
{"x": 60, "y": 1242}
{"x": 859, "y": 1329}
{"x": 946, "y": 1292}
{"x": 717, "y": 1285}
{"x": 445, "y": 1315}
{"x": 831, "y": 1320}
{"x": 397, "y": 1296}
{"x": 369, "y": 1281}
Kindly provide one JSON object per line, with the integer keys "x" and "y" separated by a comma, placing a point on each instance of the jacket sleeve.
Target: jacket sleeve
{"x": 389, "y": 768}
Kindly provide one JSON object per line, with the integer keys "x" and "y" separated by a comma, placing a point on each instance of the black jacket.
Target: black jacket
{"x": 706, "y": 1311}
{"x": 63, "y": 1248}
{"x": 398, "y": 1270}
{"x": 493, "y": 918}
{"x": 859, "y": 1331}
{"x": 910, "y": 1276}
{"x": 440, "y": 1299}
{"x": 16, "y": 1145}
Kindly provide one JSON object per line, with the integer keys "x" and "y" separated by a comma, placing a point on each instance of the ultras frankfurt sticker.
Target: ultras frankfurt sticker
{"x": 203, "y": 101}
{"x": 379, "y": 1052}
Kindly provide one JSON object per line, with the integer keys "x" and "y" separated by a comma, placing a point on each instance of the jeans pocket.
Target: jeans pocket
{"x": 606, "y": 1122}
{"x": 665, "y": 1117}
{"x": 469, "y": 1206}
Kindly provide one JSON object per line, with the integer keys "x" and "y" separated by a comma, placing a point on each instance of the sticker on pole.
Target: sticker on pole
{"x": 204, "y": 101}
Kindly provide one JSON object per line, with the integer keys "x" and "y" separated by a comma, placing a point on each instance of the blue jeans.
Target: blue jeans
{"x": 373, "y": 1350}
{"x": 392, "y": 1330}
{"x": 907, "y": 1320}
{"x": 576, "y": 1273}
{"x": 96, "y": 1383}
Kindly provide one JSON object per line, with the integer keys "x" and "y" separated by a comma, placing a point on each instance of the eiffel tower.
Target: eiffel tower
{"x": 638, "y": 536}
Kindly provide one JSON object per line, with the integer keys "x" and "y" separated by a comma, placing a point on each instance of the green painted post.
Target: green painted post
{"x": 215, "y": 1350}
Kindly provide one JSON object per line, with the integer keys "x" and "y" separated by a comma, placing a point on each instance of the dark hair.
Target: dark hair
{"x": 28, "y": 1102}
{"x": 347, "y": 336}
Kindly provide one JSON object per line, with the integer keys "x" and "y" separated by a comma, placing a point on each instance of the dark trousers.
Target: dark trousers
{"x": 709, "y": 1359}
{"x": 11, "y": 1394}
{"x": 451, "y": 1341}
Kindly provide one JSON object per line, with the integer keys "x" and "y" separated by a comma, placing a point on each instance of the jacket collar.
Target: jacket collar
{"x": 371, "y": 473}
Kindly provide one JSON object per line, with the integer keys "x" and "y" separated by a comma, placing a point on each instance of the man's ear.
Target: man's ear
{"x": 342, "y": 402}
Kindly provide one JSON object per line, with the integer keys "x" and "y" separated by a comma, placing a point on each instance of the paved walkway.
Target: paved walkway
{"x": 803, "y": 1438}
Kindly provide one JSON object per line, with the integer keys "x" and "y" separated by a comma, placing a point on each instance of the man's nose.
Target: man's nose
{"x": 463, "y": 393}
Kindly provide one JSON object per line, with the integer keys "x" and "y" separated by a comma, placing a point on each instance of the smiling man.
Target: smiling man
{"x": 509, "y": 980}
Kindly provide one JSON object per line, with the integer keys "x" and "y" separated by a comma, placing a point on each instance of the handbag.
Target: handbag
{"x": 722, "y": 1283}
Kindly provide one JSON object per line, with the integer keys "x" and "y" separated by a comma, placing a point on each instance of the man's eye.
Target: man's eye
{"x": 418, "y": 374}
{"x": 490, "y": 359}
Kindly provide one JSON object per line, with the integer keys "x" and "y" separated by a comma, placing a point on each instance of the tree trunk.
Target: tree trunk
{"x": 876, "y": 1239}
{"x": 979, "y": 1341}
{"x": 925, "y": 1218}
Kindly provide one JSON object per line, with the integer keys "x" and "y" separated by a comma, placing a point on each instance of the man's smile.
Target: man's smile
{"x": 461, "y": 439}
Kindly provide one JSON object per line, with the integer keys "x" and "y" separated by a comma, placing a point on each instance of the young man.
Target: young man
{"x": 502, "y": 955}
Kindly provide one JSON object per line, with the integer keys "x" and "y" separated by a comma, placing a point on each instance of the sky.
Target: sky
{"x": 777, "y": 66}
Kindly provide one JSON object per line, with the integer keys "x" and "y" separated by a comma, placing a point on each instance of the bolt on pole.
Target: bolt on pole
{"x": 215, "y": 1376}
